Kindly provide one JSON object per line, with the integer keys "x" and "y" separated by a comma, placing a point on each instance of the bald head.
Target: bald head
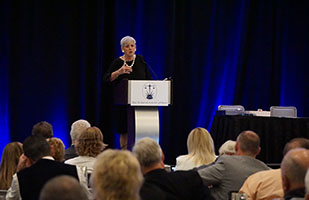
{"x": 293, "y": 169}
{"x": 248, "y": 143}
{"x": 63, "y": 188}
{"x": 296, "y": 143}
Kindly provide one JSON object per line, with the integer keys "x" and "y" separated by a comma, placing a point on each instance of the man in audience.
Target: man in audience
{"x": 268, "y": 184}
{"x": 36, "y": 167}
{"x": 43, "y": 129}
{"x": 76, "y": 129}
{"x": 116, "y": 176}
{"x": 294, "y": 167}
{"x": 169, "y": 185}
{"x": 229, "y": 172}
{"x": 63, "y": 188}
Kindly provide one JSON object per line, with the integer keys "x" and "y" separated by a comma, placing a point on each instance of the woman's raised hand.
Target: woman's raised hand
{"x": 125, "y": 70}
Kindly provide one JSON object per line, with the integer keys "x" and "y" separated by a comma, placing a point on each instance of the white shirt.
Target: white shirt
{"x": 82, "y": 161}
{"x": 185, "y": 162}
{"x": 13, "y": 192}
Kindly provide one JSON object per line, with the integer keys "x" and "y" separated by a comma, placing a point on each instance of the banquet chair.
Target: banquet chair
{"x": 283, "y": 111}
{"x": 232, "y": 109}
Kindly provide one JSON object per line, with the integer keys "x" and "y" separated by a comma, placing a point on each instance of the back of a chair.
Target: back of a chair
{"x": 232, "y": 109}
{"x": 2, "y": 194}
{"x": 283, "y": 111}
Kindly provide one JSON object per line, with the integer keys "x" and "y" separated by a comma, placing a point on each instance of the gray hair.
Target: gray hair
{"x": 77, "y": 128}
{"x": 295, "y": 164}
{"x": 147, "y": 151}
{"x": 63, "y": 187}
{"x": 126, "y": 39}
{"x": 227, "y": 147}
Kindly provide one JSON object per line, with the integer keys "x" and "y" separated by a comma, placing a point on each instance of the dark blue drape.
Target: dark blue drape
{"x": 53, "y": 55}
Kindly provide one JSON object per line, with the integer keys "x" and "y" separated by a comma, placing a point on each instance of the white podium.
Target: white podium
{"x": 143, "y": 98}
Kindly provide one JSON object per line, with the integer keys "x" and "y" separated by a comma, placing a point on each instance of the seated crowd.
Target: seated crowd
{"x": 41, "y": 168}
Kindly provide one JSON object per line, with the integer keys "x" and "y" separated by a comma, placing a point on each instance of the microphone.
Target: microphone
{"x": 148, "y": 66}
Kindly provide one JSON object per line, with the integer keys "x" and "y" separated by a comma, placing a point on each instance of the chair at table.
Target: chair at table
{"x": 232, "y": 109}
{"x": 2, "y": 194}
{"x": 283, "y": 111}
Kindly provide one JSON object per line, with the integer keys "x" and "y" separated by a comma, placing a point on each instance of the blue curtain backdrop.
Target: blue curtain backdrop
{"x": 54, "y": 53}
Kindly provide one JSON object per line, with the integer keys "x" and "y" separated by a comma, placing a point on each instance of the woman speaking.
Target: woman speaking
{"x": 128, "y": 66}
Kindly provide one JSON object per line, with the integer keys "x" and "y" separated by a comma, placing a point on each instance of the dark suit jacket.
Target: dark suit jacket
{"x": 176, "y": 185}
{"x": 70, "y": 153}
{"x": 32, "y": 179}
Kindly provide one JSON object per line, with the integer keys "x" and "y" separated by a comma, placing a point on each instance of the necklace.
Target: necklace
{"x": 125, "y": 63}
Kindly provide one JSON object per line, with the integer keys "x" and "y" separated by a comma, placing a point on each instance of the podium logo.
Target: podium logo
{"x": 149, "y": 91}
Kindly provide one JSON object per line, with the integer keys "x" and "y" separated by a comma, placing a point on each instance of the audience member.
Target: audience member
{"x": 117, "y": 176}
{"x": 76, "y": 129}
{"x": 268, "y": 184}
{"x": 173, "y": 185}
{"x": 200, "y": 148}
{"x": 38, "y": 167}
{"x": 228, "y": 148}
{"x": 294, "y": 167}
{"x": 9, "y": 161}
{"x": 57, "y": 148}
{"x": 89, "y": 144}
{"x": 307, "y": 185}
{"x": 43, "y": 129}
{"x": 228, "y": 173}
{"x": 63, "y": 188}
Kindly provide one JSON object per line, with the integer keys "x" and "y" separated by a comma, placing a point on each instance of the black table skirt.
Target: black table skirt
{"x": 274, "y": 132}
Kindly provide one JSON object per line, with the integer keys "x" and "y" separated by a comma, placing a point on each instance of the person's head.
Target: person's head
{"x": 57, "y": 148}
{"x": 296, "y": 143}
{"x": 128, "y": 45}
{"x": 90, "y": 142}
{"x": 36, "y": 147}
{"x": 9, "y": 160}
{"x": 201, "y": 145}
{"x": 228, "y": 148}
{"x": 77, "y": 128}
{"x": 43, "y": 129}
{"x": 63, "y": 188}
{"x": 307, "y": 185}
{"x": 148, "y": 152}
{"x": 248, "y": 143}
{"x": 294, "y": 167}
{"x": 116, "y": 176}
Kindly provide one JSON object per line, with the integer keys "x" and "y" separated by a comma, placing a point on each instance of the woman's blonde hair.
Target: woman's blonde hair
{"x": 90, "y": 142}
{"x": 9, "y": 162}
{"x": 58, "y": 148}
{"x": 117, "y": 176}
{"x": 201, "y": 146}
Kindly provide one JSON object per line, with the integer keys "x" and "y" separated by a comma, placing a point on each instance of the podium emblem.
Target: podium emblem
{"x": 149, "y": 91}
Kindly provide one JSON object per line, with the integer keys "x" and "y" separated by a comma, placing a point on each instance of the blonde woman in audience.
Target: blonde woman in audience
{"x": 200, "y": 148}
{"x": 89, "y": 145}
{"x": 57, "y": 148}
{"x": 9, "y": 162}
{"x": 117, "y": 175}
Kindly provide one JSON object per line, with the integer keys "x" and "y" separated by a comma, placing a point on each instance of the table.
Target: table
{"x": 274, "y": 132}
